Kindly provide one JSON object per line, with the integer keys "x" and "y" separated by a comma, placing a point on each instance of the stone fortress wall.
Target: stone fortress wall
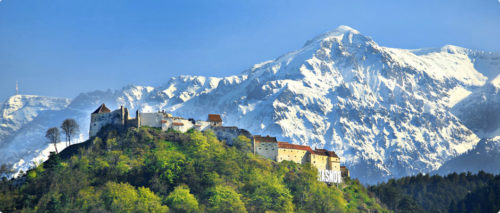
{"x": 228, "y": 133}
{"x": 103, "y": 116}
{"x": 327, "y": 162}
{"x": 268, "y": 149}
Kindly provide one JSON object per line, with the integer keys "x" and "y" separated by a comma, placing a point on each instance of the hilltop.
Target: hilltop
{"x": 149, "y": 170}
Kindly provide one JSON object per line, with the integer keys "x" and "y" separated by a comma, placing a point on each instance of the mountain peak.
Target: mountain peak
{"x": 338, "y": 33}
{"x": 345, "y": 29}
{"x": 32, "y": 100}
{"x": 452, "y": 49}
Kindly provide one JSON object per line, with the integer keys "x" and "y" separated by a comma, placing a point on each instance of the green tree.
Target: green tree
{"x": 119, "y": 197}
{"x": 89, "y": 199}
{"x": 181, "y": 200}
{"x": 149, "y": 201}
{"x": 168, "y": 163}
{"x": 406, "y": 204}
{"x": 308, "y": 193}
{"x": 243, "y": 143}
{"x": 54, "y": 204}
{"x": 198, "y": 143}
{"x": 225, "y": 199}
{"x": 268, "y": 193}
{"x": 122, "y": 197}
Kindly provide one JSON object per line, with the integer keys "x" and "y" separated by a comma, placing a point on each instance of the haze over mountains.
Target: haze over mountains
{"x": 386, "y": 112}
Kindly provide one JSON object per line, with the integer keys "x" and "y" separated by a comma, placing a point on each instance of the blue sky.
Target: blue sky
{"x": 62, "y": 48}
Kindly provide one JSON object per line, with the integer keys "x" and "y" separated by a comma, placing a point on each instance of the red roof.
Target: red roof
{"x": 101, "y": 109}
{"x": 325, "y": 153}
{"x": 286, "y": 145}
{"x": 258, "y": 138}
{"x": 177, "y": 124}
{"x": 214, "y": 118}
{"x": 163, "y": 121}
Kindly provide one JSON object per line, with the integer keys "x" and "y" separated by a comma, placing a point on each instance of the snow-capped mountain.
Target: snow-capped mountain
{"x": 385, "y": 111}
{"x": 19, "y": 110}
{"x": 480, "y": 112}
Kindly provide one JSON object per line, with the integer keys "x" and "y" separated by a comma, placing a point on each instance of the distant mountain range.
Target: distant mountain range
{"x": 386, "y": 112}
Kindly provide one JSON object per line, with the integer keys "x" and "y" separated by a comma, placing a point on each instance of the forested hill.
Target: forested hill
{"x": 146, "y": 170}
{"x": 464, "y": 192}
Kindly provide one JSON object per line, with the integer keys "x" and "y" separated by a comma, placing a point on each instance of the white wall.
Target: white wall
{"x": 187, "y": 124}
{"x": 151, "y": 119}
{"x": 203, "y": 125}
{"x": 266, "y": 149}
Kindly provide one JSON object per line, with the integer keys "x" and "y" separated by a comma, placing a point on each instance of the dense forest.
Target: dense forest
{"x": 465, "y": 192}
{"x": 147, "y": 170}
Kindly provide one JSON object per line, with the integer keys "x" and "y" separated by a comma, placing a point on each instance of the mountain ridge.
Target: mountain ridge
{"x": 19, "y": 110}
{"x": 385, "y": 110}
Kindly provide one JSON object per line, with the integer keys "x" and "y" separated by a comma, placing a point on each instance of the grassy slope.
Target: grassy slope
{"x": 146, "y": 170}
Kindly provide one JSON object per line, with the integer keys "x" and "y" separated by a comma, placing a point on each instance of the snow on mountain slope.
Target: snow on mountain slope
{"x": 385, "y": 111}
{"x": 19, "y": 110}
{"x": 485, "y": 156}
{"x": 480, "y": 111}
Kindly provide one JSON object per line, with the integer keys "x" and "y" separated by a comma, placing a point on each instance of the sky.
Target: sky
{"x": 62, "y": 48}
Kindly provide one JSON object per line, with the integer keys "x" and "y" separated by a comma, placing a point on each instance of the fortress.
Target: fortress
{"x": 327, "y": 162}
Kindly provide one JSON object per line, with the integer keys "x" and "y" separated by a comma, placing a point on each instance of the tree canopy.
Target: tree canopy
{"x": 147, "y": 170}
{"x": 465, "y": 192}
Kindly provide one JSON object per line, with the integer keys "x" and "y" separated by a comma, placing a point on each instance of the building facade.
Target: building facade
{"x": 327, "y": 162}
{"x": 214, "y": 119}
{"x": 103, "y": 116}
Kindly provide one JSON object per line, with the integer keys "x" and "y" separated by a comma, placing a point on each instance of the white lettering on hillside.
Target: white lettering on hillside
{"x": 330, "y": 176}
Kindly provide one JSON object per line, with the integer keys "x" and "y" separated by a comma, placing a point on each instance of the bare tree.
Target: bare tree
{"x": 70, "y": 129}
{"x": 53, "y": 135}
{"x": 6, "y": 170}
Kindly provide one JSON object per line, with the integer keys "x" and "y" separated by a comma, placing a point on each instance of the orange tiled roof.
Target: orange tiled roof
{"x": 286, "y": 145}
{"x": 177, "y": 124}
{"x": 214, "y": 118}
